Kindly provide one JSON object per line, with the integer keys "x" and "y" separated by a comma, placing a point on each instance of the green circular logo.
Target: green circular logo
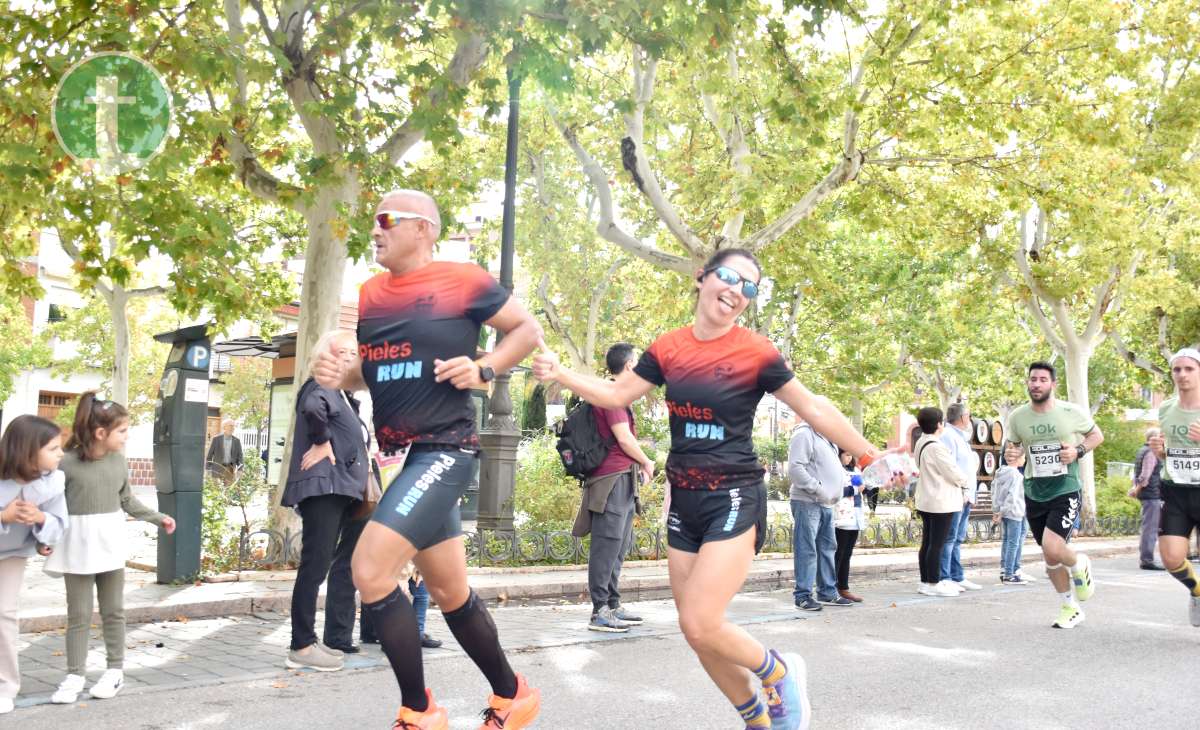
{"x": 112, "y": 108}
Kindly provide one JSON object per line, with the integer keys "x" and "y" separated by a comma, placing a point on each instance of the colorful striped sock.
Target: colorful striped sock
{"x": 1186, "y": 575}
{"x": 754, "y": 712}
{"x": 771, "y": 671}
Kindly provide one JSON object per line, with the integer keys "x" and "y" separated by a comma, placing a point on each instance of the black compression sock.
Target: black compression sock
{"x": 395, "y": 625}
{"x": 475, "y": 631}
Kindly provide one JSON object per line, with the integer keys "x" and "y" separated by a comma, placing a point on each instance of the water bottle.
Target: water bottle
{"x": 887, "y": 467}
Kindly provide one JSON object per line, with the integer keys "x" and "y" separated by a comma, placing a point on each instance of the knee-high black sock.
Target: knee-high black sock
{"x": 395, "y": 624}
{"x": 475, "y": 631}
{"x": 1186, "y": 575}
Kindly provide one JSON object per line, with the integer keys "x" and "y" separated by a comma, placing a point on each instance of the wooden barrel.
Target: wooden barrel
{"x": 997, "y": 435}
{"x": 989, "y": 462}
{"x": 981, "y": 431}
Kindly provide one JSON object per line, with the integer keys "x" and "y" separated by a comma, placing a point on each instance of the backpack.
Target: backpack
{"x": 579, "y": 444}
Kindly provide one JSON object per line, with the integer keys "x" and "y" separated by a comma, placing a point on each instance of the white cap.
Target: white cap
{"x": 1186, "y": 352}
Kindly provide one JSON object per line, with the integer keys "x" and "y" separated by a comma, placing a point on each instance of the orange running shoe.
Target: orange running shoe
{"x": 515, "y": 714}
{"x": 434, "y": 717}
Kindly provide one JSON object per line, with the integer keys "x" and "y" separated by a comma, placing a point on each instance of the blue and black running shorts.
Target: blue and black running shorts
{"x": 421, "y": 503}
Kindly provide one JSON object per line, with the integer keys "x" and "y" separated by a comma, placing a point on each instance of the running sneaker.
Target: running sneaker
{"x": 926, "y": 589}
{"x": 836, "y": 601}
{"x": 968, "y": 585}
{"x": 68, "y": 690}
{"x": 313, "y": 658}
{"x": 109, "y": 684}
{"x": 808, "y": 603}
{"x": 1068, "y": 617}
{"x": 434, "y": 717}
{"x": 1081, "y": 576}
{"x": 946, "y": 588}
{"x": 1194, "y": 611}
{"x": 519, "y": 712}
{"x": 603, "y": 620}
{"x": 787, "y": 699}
{"x": 1022, "y": 578}
{"x": 625, "y": 617}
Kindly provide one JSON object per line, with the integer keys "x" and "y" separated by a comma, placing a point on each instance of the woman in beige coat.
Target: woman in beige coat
{"x": 940, "y": 494}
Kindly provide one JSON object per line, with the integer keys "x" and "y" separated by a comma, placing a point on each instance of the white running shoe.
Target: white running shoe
{"x": 926, "y": 589}
{"x": 968, "y": 585}
{"x": 951, "y": 585}
{"x": 946, "y": 589}
{"x": 68, "y": 690}
{"x": 109, "y": 684}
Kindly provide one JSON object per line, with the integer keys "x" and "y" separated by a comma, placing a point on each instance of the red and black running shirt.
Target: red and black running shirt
{"x": 405, "y": 323}
{"x": 713, "y": 390}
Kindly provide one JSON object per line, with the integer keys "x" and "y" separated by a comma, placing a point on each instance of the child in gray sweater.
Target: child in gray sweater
{"x": 33, "y": 515}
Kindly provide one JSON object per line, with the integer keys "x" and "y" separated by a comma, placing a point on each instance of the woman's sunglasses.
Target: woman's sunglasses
{"x": 389, "y": 219}
{"x": 733, "y": 278}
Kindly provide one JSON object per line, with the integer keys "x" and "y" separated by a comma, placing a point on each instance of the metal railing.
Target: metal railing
{"x": 271, "y": 548}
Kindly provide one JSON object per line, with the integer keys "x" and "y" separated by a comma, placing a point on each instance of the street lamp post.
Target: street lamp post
{"x": 499, "y": 436}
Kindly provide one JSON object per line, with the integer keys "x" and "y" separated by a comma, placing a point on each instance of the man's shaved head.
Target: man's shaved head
{"x": 414, "y": 201}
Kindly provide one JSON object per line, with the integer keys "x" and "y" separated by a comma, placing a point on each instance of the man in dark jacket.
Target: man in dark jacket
{"x": 1146, "y": 479}
{"x": 609, "y": 504}
{"x": 225, "y": 452}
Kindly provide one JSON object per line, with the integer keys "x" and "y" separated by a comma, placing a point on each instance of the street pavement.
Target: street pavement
{"x": 986, "y": 659}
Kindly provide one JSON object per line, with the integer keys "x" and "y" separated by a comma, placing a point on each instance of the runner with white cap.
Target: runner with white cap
{"x": 1178, "y": 448}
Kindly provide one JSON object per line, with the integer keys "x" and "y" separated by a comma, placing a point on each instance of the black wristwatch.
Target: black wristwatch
{"x": 486, "y": 373}
{"x": 1080, "y": 450}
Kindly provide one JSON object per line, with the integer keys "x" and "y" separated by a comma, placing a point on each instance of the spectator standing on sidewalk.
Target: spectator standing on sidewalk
{"x": 610, "y": 501}
{"x": 956, "y": 437}
{"x": 225, "y": 452}
{"x": 940, "y": 496}
{"x": 848, "y": 522}
{"x": 817, "y": 479}
{"x": 91, "y": 556}
{"x": 327, "y": 483}
{"x": 33, "y": 516}
{"x": 1008, "y": 509}
{"x": 1147, "y": 480}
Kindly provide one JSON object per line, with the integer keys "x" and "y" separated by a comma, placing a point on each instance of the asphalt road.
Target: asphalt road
{"x": 983, "y": 660}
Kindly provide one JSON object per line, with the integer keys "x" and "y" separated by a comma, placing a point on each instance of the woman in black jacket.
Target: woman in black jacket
{"x": 327, "y": 480}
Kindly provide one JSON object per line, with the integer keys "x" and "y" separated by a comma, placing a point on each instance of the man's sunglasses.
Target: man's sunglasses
{"x": 388, "y": 219}
{"x": 733, "y": 278}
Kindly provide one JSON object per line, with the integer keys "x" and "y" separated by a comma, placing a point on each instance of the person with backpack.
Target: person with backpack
{"x": 610, "y": 498}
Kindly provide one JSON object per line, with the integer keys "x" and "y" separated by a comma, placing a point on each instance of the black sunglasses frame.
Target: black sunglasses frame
{"x": 740, "y": 279}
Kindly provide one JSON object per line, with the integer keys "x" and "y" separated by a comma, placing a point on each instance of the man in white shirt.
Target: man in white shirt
{"x": 957, "y": 438}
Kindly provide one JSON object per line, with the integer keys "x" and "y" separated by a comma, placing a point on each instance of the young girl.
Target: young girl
{"x": 93, "y": 552}
{"x": 33, "y": 515}
{"x": 715, "y": 373}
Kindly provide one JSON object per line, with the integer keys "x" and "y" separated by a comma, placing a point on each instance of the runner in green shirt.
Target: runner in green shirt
{"x": 1049, "y": 437}
{"x": 1178, "y": 447}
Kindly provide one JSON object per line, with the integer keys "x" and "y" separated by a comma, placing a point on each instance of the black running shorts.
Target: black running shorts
{"x": 1181, "y": 510}
{"x": 421, "y": 503}
{"x": 698, "y": 516}
{"x": 1057, "y": 515}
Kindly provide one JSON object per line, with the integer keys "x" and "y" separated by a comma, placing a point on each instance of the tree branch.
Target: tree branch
{"x": 468, "y": 56}
{"x": 150, "y": 291}
{"x": 606, "y": 226}
{"x": 633, "y": 154}
{"x": 1164, "y": 348}
{"x": 597, "y": 299}
{"x": 577, "y": 359}
{"x": 1118, "y": 344}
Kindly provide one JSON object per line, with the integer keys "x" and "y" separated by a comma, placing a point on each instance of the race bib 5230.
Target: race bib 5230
{"x": 1047, "y": 460}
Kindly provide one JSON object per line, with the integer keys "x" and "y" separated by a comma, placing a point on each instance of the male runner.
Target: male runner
{"x": 1178, "y": 447}
{"x": 1049, "y": 437}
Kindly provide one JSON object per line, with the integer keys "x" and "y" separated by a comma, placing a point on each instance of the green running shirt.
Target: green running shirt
{"x": 1042, "y": 436}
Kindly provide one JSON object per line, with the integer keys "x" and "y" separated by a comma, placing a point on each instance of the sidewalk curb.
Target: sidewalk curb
{"x": 277, "y": 598}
